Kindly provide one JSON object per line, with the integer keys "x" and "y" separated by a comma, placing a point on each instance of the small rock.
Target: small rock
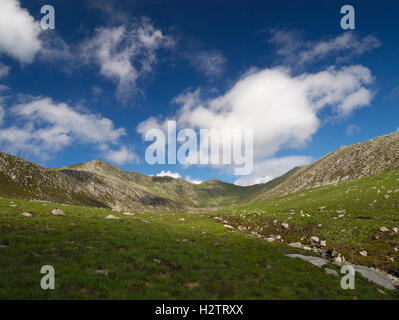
{"x": 270, "y": 239}
{"x": 386, "y": 196}
{"x": 111, "y": 217}
{"x": 157, "y": 261}
{"x": 228, "y": 226}
{"x": 58, "y": 212}
{"x": 383, "y": 229}
{"x": 285, "y": 226}
{"x": 128, "y": 214}
{"x": 321, "y": 208}
{"x": 295, "y": 245}
{"x": 104, "y": 272}
{"x": 182, "y": 219}
{"x": 323, "y": 243}
{"x": 396, "y": 230}
{"x": 315, "y": 239}
{"x": 363, "y": 253}
{"x": 339, "y": 259}
{"x": 27, "y": 214}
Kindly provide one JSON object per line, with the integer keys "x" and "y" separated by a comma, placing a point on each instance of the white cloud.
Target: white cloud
{"x": 269, "y": 169}
{"x": 283, "y": 110}
{"x": 192, "y": 180}
{"x": 47, "y": 127}
{"x": 125, "y": 54}
{"x": 352, "y": 129}
{"x": 296, "y": 51}
{"x": 19, "y": 32}
{"x": 169, "y": 173}
{"x": 88, "y": 128}
{"x": 177, "y": 175}
{"x": 211, "y": 63}
{"x": 120, "y": 156}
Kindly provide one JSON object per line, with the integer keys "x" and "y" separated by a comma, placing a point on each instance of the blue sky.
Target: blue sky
{"x": 84, "y": 90}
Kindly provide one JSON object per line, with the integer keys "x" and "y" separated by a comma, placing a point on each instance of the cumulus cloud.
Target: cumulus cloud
{"x": 47, "y": 127}
{"x": 192, "y": 180}
{"x": 120, "y": 156}
{"x": 211, "y": 63}
{"x": 19, "y": 32}
{"x": 296, "y": 51}
{"x": 124, "y": 54}
{"x": 283, "y": 110}
{"x": 267, "y": 170}
{"x": 169, "y": 173}
{"x": 177, "y": 175}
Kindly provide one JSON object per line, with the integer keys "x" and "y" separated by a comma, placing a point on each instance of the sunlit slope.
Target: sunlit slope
{"x": 152, "y": 256}
{"x": 374, "y": 156}
{"x": 348, "y": 216}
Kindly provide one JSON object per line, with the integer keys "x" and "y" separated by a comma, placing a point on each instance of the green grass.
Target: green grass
{"x": 165, "y": 258}
{"x": 357, "y": 230}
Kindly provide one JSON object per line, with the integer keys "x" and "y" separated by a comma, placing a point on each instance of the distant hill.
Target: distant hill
{"x": 100, "y": 184}
{"x": 359, "y": 160}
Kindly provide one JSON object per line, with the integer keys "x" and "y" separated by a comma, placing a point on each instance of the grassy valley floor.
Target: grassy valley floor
{"x": 153, "y": 256}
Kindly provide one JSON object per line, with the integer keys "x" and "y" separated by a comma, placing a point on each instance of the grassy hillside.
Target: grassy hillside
{"x": 364, "y": 159}
{"x": 348, "y": 216}
{"x": 152, "y": 256}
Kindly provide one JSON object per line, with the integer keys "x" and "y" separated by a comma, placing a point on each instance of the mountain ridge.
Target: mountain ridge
{"x": 98, "y": 183}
